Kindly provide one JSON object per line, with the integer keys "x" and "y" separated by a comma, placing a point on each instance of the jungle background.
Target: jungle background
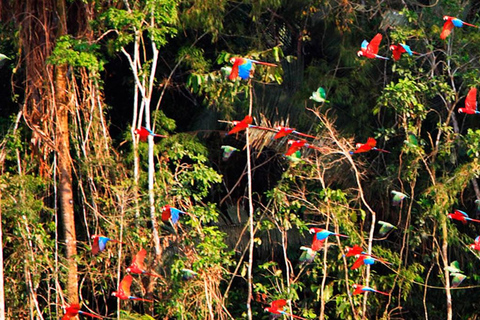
{"x": 80, "y": 76}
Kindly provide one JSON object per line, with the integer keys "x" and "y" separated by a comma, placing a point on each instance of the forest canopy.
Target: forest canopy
{"x": 213, "y": 159}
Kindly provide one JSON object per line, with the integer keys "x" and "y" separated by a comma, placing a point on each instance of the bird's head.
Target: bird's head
{"x": 291, "y": 141}
{"x": 94, "y": 237}
{"x": 354, "y": 286}
{"x": 232, "y": 60}
{"x": 128, "y": 270}
{"x": 347, "y": 249}
{"x": 461, "y": 110}
{"x": 312, "y": 230}
{"x": 450, "y": 215}
{"x": 114, "y": 293}
{"x": 446, "y": 18}
{"x": 360, "y": 53}
{"x": 472, "y": 246}
{"x": 137, "y": 131}
{"x": 358, "y": 145}
{"x": 393, "y": 47}
{"x": 267, "y": 309}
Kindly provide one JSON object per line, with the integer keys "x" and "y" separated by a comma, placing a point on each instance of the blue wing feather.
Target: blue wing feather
{"x": 364, "y": 44}
{"x": 244, "y": 69}
{"x": 407, "y": 49}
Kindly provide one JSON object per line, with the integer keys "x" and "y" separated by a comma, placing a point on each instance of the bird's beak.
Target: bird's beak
{"x": 360, "y": 53}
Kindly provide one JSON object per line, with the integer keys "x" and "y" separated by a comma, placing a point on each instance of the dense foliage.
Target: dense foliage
{"x": 115, "y": 66}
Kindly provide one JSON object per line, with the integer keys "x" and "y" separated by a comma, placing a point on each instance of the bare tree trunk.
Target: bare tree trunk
{"x": 65, "y": 162}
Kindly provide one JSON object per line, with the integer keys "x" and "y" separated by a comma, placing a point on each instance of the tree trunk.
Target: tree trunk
{"x": 65, "y": 163}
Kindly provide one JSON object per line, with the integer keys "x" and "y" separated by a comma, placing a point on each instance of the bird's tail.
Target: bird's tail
{"x": 294, "y": 316}
{"x": 381, "y": 292}
{"x": 474, "y": 220}
{"x": 90, "y": 314}
{"x": 140, "y": 299}
{"x": 340, "y": 235}
{"x": 151, "y": 274}
{"x": 380, "y": 57}
{"x": 304, "y": 135}
{"x": 382, "y": 150}
{"x": 470, "y": 25}
{"x": 265, "y": 63}
{"x": 159, "y": 135}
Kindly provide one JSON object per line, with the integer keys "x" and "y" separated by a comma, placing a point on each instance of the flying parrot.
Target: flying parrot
{"x": 188, "y": 274}
{"x": 284, "y": 131}
{"x": 241, "y": 125}
{"x": 123, "y": 292}
{"x": 277, "y": 307}
{"x": 451, "y": 22}
{"x": 369, "y": 145}
{"x": 458, "y": 276}
{"x": 476, "y": 244}
{"x": 361, "y": 289}
{"x": 295, "y": 157}
{"x": 308, "y": 255}
{"x": 397, "y": 197}
{"x": 243, "y": 67}
{"x": 385, "y": 227}
{"x": 322, "y": 234}
{"x": 143, "y": 133}
{"x": 399, "y": 49}
{"x": 365, "y": 259}
{"x": 74, "y": 309}
{"x": 411, "y": 141}
{"x": 355, "y": 250}
{"x": 138, "y": 266}
{"x": 470, "y": 103}
{"x": 461, "y": 216}
{"x": 99, "y": 243}
{"x": 227, "y": 152}
{"x": 319, "y": 96}
{"x": 296, "y": 145}
{"x": 370, "y": 50}
{"x": 170, "y": 212}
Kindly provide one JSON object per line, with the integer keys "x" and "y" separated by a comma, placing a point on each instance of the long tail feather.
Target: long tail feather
{"x": 382, "y": 150}
{"x": 262, "y": 128}
{"x": 159, "y": 135}
{"x": 140, "y": 299}
{"x": 380, "y": 57}
{"x": 381, "y": 292}
{"x": 151, "y": 274}
{"x": 474, "y": 220}
{"x": 470, "y": 25}
{"x": 294, "y": 316}
{"x": 265, "y": 63}
{"x": 304, "y": 135}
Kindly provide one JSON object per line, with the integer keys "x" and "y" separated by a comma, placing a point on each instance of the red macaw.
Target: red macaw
{"x": 284, "y": 131}
{"x": 476, "y": 244}
{"x": 123, "y": 292}
{"x": 322, "y": 234}
{"x": 296, "y": 145}
{"x": 143, "y": 134}
{"x": 350, "y": 252}
{"x": 243, "y": 67}
{"x": 470, "y": 103}
{"x": 461, "y": 216}
{"x": 74, "y": 309}
{"x": 369, "y": 145}
{"x": 138, "y": 266}
{"x": 171, "y": 212}
{"x": 399, "y": 49}
{"x": 364, "y": 259}
{"x": 99, "y": 243}
{"x": 361, "y": 289}
{"x": 369, "y": 50}
{"x": 451, "y": 22}
{"x": 277, "y": 307}
{"x": 241, "y": 125}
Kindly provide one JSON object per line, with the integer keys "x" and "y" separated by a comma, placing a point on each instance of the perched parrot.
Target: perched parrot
{"x": 411, "y": 141}
{"x": 369, "y": 145}
{"x": 277, "y": 307}
{"x": 295, "y": 157}
{"x": 170, "y": 212}
{"x": 361, "y": 289}
{"x": 319, "y": 96}
{"x": 454, "y": 267}
{"x": 227, "y": 152}
{"x": 364, "y": 259}
{"x": 370, "y": 50}
{"x": 308, "y": 255}
{"x": 241, "y": 125}
{"x": 470, "y": 103}
{"x": 476, "y": 244}
{"x": 451, "y": 22}
{"x": 399, "y": 49}
{"x": 323, "y": 234}
{"x": 461, "y": 216}
{"x": 74, "y": 309}
{"x": 188, "y": 274}
{"x": 296, "y": 145}
{"x": 284, "y": 131}
{"x": 138, "y": 266}
{"x": 397, "y": 197}
{"x": 385, "y": 227}
{"x": 143, "y": 133}
{"x": 355, "y": 250}
{"x": 123, "y": 292}
{"x": 243, "y": 67}
{"x": 99, "y": 243}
